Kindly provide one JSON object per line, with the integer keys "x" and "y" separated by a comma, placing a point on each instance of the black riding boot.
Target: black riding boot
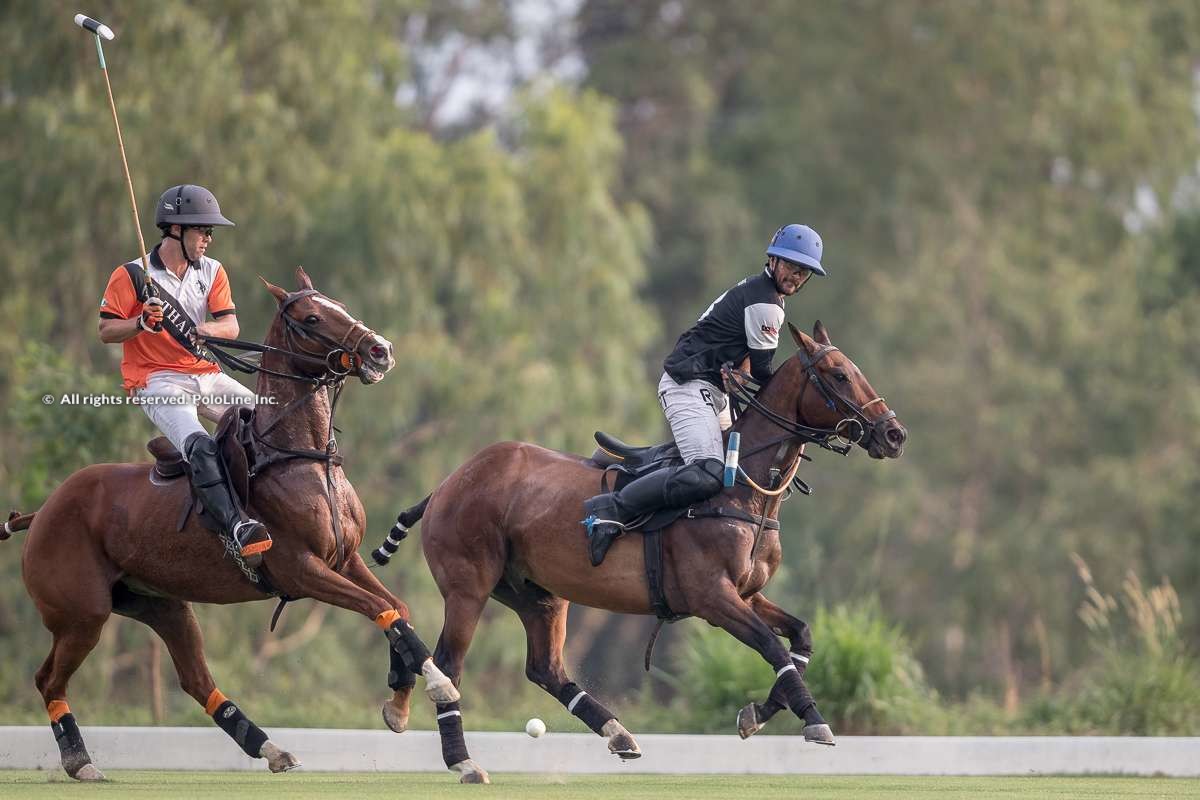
{"x": 208, "y": 476}
{"x": 608, "y": 513}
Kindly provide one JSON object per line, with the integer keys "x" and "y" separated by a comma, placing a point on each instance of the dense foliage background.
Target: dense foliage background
{"x": 531, "y": 200}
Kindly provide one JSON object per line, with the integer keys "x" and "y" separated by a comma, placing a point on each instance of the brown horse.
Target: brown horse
{"x": 506, "y": 525}
{"x": 107, "y": 539}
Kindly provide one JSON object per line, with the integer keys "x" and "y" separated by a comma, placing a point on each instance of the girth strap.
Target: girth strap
{"x": 652, "y": 542}
{"x": 732, "y": 513}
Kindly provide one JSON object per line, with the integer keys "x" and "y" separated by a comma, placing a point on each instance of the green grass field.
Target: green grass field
{"x": 303, "y": 786}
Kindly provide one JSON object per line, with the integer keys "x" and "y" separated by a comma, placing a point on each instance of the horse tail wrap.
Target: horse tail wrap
{"x": 16, "y": 523}
{"x": 408, "y": 517}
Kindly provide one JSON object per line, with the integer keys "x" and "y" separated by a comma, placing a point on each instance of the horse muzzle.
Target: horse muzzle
{"x": 886, "y": 440}
{"x": 374, "y": 359}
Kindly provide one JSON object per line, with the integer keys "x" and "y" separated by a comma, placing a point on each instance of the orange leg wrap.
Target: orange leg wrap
{"x": 385, "y": 620}
{"x": 214, "y": 702}
{"x": 57, "y": 709}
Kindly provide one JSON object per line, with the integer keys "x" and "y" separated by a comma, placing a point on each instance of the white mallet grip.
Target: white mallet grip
{"x": 94, "y": 25}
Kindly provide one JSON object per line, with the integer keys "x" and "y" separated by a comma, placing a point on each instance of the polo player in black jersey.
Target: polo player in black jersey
{"x": 743, "y": 321}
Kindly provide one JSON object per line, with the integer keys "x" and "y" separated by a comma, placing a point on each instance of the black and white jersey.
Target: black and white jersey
{"x": 744, "y": 321}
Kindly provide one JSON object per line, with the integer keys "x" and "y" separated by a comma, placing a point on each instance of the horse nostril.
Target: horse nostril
{"x": 897, "y": 436}
{"x": 379, "y": 353}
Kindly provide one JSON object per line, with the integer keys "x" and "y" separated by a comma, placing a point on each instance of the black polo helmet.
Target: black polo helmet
{"x": 188, "y": 204}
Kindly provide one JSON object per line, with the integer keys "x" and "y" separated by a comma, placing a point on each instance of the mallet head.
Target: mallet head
{"x": 94, "y": 25}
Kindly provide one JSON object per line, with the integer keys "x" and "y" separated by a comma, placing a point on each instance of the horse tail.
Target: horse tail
{"x": 408, "y": 517}
{"x": 19, "y": 522}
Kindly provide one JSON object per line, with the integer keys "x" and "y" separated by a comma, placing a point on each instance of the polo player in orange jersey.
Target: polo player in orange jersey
{"x": 157, "y": 323}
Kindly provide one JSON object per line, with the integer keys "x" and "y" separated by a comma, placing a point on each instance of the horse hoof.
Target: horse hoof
{"x": 88, "y": 772}
{"x": 819, "y": 734}
{"x": 470, "y": 772}
{"x": 442, "y": 691}
{"x": 620, "y": 741}
{"x": 396, "y": 719}
{"x": 438, "y": 687}
{"x": 747, "y": 722}
{"x": 278, "y": 760}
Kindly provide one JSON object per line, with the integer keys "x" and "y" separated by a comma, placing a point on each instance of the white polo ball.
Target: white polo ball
{"x": 535, "y": 727}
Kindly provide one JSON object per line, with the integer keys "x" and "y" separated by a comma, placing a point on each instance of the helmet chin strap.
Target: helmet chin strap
{"x": 182, "y": 247}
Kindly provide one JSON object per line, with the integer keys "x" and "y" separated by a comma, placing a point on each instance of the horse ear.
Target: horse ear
{"x": 820, "y": 334}
{"x": 799, "y": 337}
{"x": 280, "y": 294}
{"x": 303, "y": 279}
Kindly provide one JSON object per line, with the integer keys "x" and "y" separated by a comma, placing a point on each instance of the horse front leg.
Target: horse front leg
{"x": 400, "y": 679}
{"x": 753, "y": 717}
{"x": 309, "y": 576}
{"x": 723, "y": 608}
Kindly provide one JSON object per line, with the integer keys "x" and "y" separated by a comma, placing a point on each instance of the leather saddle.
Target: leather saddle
{"x": 628, "y": 463}
{"x": 237, "y": 453}
{"x": 612, "y": 452}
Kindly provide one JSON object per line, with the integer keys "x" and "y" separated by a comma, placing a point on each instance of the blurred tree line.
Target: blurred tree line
{"x": 1008, "y": 196}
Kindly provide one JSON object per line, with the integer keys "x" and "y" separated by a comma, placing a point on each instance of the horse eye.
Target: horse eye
{"x": 312, "y": 319}
{"x": 841, "y": 377}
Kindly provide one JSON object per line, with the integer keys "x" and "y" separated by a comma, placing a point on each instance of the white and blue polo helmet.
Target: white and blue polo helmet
{"x": 798, "y": 244}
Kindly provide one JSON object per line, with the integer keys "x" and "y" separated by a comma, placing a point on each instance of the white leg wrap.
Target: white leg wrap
{"x": 574, "y": 702}
{"x": 449, "y": 714}
{"x": 785, "y": 669}
{"x": 800, "y": 658}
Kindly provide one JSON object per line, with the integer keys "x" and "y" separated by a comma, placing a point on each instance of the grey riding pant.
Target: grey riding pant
{"x": 697, "y": 412}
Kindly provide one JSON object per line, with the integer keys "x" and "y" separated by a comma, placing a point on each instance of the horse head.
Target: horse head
{"x": 833, "y": 394}
{"x": 325, "y": 336}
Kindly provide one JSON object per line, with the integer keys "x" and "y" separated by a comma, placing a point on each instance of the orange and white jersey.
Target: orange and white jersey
{"x": 203, "y": 290}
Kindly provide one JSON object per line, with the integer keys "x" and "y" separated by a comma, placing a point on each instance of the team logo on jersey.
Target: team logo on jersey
{"x": 770, "y": 330}
{"x": 103, "y": 302}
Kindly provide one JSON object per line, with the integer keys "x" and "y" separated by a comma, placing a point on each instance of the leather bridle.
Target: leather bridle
{"x": 856, "y": 429}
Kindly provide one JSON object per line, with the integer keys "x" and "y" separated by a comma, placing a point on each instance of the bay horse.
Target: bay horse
{"x": 506, "y": 524}
{"x": 108, "y": 539}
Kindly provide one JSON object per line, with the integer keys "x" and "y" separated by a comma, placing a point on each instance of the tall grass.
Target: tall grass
{"x": 1145, "y": 681}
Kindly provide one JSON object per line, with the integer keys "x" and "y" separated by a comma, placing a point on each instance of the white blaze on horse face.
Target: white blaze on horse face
{"x": 325, "y": 301}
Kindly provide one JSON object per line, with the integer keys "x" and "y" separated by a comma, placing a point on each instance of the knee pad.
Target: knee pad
{"x": 694, "y": 482}
{"x": 408, "y": 645}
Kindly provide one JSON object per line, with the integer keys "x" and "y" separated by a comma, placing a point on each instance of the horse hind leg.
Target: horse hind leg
{"x": 176, "y": 625}
{"x": 545, "y": 619}
{"x": 74, "y": 638}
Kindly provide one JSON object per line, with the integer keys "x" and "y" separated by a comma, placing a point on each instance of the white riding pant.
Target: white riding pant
{"x": 697, "y": 412}
{"x": 174, "y": 401}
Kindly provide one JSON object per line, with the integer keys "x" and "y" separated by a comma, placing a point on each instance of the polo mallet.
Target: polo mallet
{"x": 99, "y": 29}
